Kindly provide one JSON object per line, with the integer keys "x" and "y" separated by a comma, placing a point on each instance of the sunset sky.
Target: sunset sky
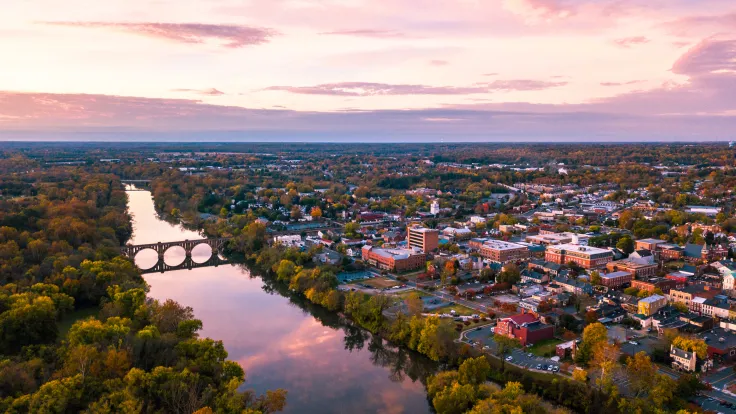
{"x": 369, "y": 70}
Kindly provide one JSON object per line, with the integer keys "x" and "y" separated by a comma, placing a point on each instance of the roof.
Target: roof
{"x": 522, "y": 318}
{"x": 502, "y": 245}
{"x": 693, "y": 250}
{"x": 615, "y": 274}
{"x": 651, "y": 241}
{"x": 681, "y": 354}
{"x": 652, "y": 299}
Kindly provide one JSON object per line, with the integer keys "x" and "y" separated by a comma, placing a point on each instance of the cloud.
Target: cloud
{"x": 381, "y": 34}
{"x": 438, "y": 62}
{"x": 40, "y": 116}
{"x": 537, "y": 11}
{"x": 702, "y": 25}
{"x": 631, "y": 41}
{"x": 621, "y": 83}
{"x": 232, "y": 36}
{"x": 208, "y": 92}
{"x": 379, "y": 89}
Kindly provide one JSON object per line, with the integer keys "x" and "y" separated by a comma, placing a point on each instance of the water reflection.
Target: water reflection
{"x": 283, "y": 341}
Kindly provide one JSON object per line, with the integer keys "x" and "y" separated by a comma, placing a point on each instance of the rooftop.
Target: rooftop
{"x": 502, "y": 245}
{"x": 577, "y": 248}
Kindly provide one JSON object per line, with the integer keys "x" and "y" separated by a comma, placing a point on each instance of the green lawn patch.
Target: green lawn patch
{"x": 545, "y": 347}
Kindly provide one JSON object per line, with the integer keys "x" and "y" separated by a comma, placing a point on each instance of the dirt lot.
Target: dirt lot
{"x": 381, "y": 282}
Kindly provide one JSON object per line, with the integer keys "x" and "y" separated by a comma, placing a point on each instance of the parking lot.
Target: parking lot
{"x": 482, "y": 337}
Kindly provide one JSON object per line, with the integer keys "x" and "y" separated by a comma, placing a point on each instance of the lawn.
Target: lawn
{"x": 68, "y": 320}
{"x": 381, "y": 282}
{"x": 459, "y": 309}
{"x": 545, "y": 347}
{"x": 406, "y": 293}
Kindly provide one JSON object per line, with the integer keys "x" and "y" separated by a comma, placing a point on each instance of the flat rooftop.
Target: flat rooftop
{"x": 503, "y": 245}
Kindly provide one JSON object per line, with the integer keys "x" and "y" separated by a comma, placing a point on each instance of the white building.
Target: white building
{"x": 435, "y": 207}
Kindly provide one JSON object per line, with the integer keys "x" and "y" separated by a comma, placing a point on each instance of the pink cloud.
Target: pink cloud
{"x": 376, "y": 89}
{"x": 366, "y": 33}
{"x": 702, "y": 25}
{"x": 438, "y": 62}
{"x": 232, "y": 36}
{"x": 631, "y": 41}
{"x": 633, "y": 82}
{"x": 208, "y": 92}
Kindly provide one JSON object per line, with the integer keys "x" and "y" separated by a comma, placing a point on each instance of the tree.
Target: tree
{"x": 455, "y": 399}
{"x": 504, "y": 344}
{"x": 580, "y": 375}
{"x": 510, "y": 274}
{"x": 316, "y": 212}
{"x": 640, "y": 371}
{"x": 691, "y": 344}
{"x": 595, "y": 278}
{"x": 625, "y": 244}
{"x": 474, "y": 371}
{"x": 414, "y": 304}
{"x": 594, "y": 335}
{"x": 296, "y": 213}
{"x": 605, "y": 360}
{"x": 681, "y": 307}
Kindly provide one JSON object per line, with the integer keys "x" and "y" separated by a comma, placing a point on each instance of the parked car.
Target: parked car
{"x": 509, "y": 358}
{"x": 539, "y": 366}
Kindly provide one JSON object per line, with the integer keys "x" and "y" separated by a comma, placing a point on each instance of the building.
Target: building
{"x": 688, "y": 294}
{"x": 502, "y": 252}
{"x": 721, "y": 344}
{"x": 422, "y": 238}
{"x": 707, "y": 210}
{"x": 648, "y": 244}
{"x": 526, "y": 327}
{"x": 395, "y": 260}
{"x": 570, "y": 285}
{"x": 617, "y": 279}
{"x": 727, "y": 269}
{"x": 457, "y": 234}
{"x": 435, "y": 207}
{"x": 670, "y": 252}
{"x": 650, "y": 285}
{"x": 683, "y": 360}
{"x": 546, "y": 238}
{"x": 650, "y": 305}
{"x": 584, "y": 256}
{"x": 640, "y": 270}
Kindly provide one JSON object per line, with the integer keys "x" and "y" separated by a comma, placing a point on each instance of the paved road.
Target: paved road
{"x": 721, "y": 378}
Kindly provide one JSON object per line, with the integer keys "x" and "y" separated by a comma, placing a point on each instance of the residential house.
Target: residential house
{"x": 526, "y": 327}
{"x": 683, "y": 360}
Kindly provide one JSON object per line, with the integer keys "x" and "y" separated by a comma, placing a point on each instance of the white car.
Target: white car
{"x": 509, "y": 358}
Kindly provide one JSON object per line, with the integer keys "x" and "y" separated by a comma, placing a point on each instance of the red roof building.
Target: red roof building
{"x": 526, "y": 327}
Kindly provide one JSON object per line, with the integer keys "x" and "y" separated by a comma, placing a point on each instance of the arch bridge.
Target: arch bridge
{"x": 216, "y": 245}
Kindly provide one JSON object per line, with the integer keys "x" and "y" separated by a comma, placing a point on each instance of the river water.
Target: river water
{"x": 282, "y": 341}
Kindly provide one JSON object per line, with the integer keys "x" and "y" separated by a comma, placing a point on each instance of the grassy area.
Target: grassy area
{"x": 381, "y": 282}
{"x": 545, "y": 347}
{"x": 406, "y": 293}
{"x": 68, "y": 320}
{"x": 459, "y": 309}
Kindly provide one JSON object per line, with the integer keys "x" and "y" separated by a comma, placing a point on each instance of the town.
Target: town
{"x": 541, "y": 263}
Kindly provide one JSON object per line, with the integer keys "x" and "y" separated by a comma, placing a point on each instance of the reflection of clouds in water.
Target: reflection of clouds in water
{"x": 147, "y": 227}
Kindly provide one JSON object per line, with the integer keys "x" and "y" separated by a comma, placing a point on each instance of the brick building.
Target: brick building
{"x": 502, "y": 252}
{"x": 650, "y": 285}
{"x": 638, "y": 269}
{"x": 584, "y": 256}
{"x": 395, "y": 260}
{"x": 422, "y": 238}
{"x": 526, "y": 327}
{"x": 617, "y": 279}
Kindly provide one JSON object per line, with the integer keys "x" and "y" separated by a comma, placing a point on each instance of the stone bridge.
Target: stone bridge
{"x": 160, "y": 248}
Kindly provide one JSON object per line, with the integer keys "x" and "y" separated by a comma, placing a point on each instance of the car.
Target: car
{"x": 539, "y": 366}
{"x": 493, "y": 330}
{"x": 530, "y": 355}
{"x": 550, "y": 368}
{"x": 509, "y": 358}
{"x": 555, "y": 368}
{"x": 485, "y": 348}
{"x": 633, "y": 343}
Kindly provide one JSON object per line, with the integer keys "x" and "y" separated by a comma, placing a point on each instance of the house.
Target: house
{"x": 727, "y": 269}
{"x": 328, "y": 256}
{"x": 573, "y": 286}
{"x": 526, "y": 327}
{"x": 566, "y": 349}
{"x": 689, "y": 294}
{"x": 683, "y": 360}
{"x": 643, "y": 256}
{"x": 693, "y": 252}
{"x": 533, "y": 277}
{"x": 716, "y": 307}
{"x": 550, "y": 268}
{"x": 650, "y": 305}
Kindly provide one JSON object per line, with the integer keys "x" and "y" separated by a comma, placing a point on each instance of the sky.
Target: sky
{"x": 368, "y": 70}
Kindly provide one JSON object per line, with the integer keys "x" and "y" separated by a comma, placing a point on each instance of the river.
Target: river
{"x": 283, "y": 341}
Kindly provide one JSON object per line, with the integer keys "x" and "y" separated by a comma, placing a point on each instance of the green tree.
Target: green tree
{"x": 625, "y": 244}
